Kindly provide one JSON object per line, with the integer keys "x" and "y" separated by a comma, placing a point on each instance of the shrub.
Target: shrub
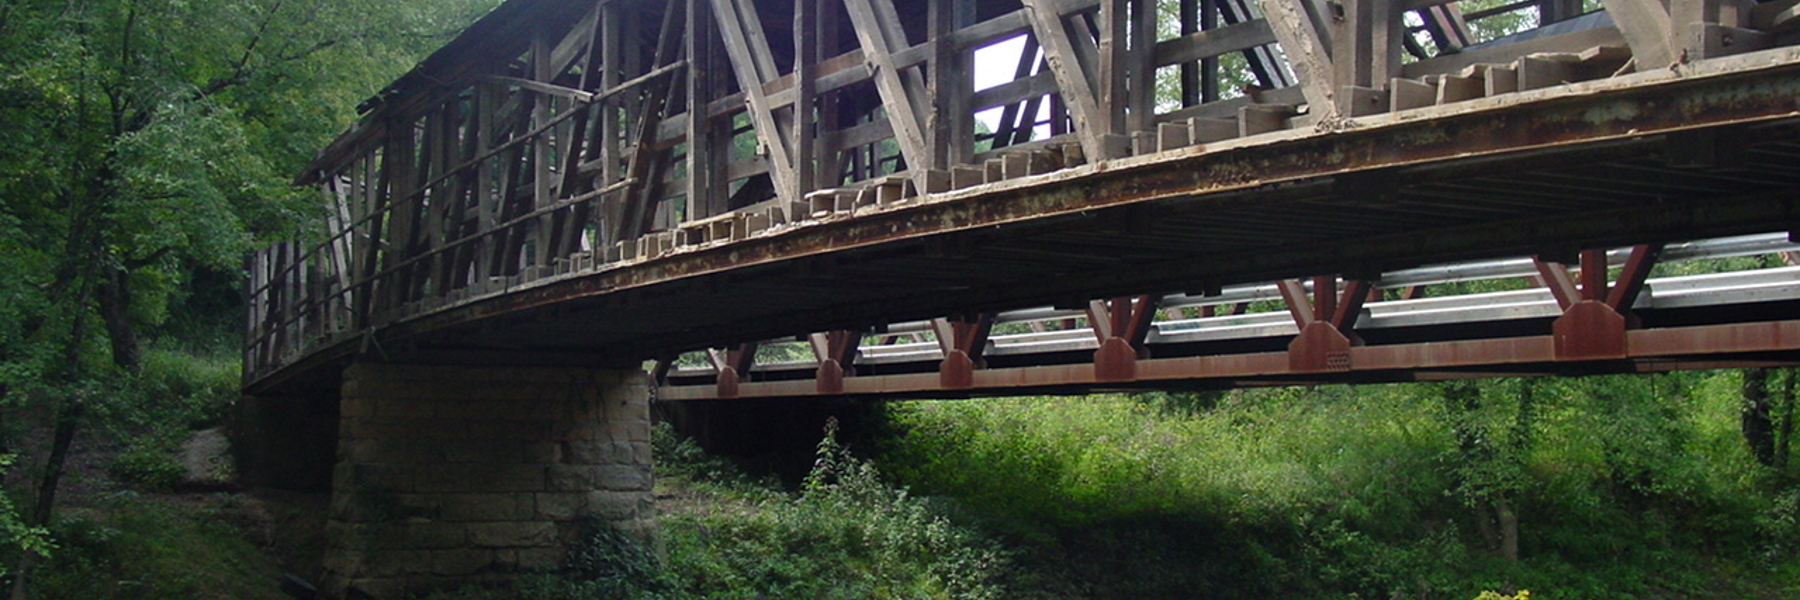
{"x": 846, "y": 535}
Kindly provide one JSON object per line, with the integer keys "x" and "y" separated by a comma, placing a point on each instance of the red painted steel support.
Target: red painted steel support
{"x": 733, "y": 364}
{"x": 1631, "y": 279}
{"x": 836, "y": 352}
{"x": 1327, "y": 323}
{"x": 1121, "y": 325}
{"x": 1555, "y": 275}
{"x": 964, "y": 342}
{"x": 1593, "y": 326}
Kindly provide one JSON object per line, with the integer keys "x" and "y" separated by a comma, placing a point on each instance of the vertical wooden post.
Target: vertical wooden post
{"x": 806, "y": 55}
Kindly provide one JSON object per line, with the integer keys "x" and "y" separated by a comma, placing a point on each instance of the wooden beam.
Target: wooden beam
{"x": 1306, "y": 53}
{"x": 1647, "y": 28}
{"x": 748, "y": 50}
{"x": 1214, "y": 42}
{"x": 902, "y": 91}
{"x": 1076, "y": 89}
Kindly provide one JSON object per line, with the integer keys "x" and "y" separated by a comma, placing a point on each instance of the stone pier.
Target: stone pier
{"x": 452, "y": 475}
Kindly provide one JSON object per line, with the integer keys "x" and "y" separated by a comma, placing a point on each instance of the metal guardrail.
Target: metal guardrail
{"x": 1687, "y": 291}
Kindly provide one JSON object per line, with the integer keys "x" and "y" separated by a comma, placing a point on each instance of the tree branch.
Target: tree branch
{"x": 134, "y": 264}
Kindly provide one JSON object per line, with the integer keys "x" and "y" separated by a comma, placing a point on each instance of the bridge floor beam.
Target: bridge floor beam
{"x": 453, "y": 475}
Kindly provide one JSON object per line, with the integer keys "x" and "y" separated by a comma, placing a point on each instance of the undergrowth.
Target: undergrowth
{"x": 1620, "y": 487}
{"x": 129, "y": 547}
{"x": 723, "y": 535}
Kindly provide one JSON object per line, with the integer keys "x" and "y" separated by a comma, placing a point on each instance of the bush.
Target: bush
{"x": 846, "y": 535}
{"x": 1620, "y": 485}
{"x": 148, "y": 467}
{"x": 16, "y": 536}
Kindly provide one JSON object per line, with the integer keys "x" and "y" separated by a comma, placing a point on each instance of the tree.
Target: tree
{"x": 1492, "y": 424}
{"x": 1767, "y": 422}
{"x": 149, "y": 142}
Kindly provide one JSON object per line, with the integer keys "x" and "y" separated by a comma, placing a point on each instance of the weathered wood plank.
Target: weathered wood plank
{"x": 754, "y": 66}
{"x": 1214, "y": 42}
{"x": 1569, "y": 42}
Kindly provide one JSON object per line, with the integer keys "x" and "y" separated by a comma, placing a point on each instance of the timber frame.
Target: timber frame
{"x": 558, "y": 140}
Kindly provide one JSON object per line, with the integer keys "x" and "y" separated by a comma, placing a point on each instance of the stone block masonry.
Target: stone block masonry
{"x": 452, "y": 475}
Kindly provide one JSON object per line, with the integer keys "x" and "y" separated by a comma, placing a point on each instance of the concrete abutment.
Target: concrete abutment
{"x": 455, "y": 475}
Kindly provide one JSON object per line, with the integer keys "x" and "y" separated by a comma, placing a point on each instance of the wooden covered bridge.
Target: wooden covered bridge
{"x": 578, "y": 204}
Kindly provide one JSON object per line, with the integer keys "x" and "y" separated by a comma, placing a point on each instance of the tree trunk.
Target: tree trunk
{"x": 114, "y": 294}
{"x": 1484, "y": 525}
{"x": 1784, "y": 433}
{"x": 1757, "y": 425}
{"x": 1509, "y": 530}
{"x": 67, "y": 420}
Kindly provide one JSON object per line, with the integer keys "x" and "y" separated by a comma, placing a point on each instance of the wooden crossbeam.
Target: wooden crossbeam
{"x": 642, "y": 170}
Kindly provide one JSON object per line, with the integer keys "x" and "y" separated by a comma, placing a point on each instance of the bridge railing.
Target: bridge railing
{"x": 557, "y": 138}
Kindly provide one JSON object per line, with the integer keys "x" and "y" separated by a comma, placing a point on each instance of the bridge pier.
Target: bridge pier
{"x": 454, "y": 475}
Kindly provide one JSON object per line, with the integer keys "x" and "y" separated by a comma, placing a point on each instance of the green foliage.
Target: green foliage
{"x": 846, "y": 535}
{"x": 138, "y": 549}
{"x": 1631, "y": 484}
{"x": 680, "y": 458}
{"x": 148, "y": 146}
{"x": 16, "y": 537}
{"x": 148, "y": 467}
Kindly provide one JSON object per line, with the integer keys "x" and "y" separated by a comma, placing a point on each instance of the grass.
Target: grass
{"x": 133, "y": 547}
{"x": 1634, "y": 486}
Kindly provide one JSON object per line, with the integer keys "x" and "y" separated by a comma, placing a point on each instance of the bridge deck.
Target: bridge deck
{"x": 581, "y": 186}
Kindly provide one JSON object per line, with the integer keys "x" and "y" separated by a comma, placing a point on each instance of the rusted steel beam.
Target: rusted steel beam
{"x": 1632, "y": 276}
{"x": 1121, "y": 324}
{"x": 1326, "y": 329}
{"x": 836, "y": 353}
{"x": 1555, "y": 276}
{"x": 964, "y": 344}
{"x": 1776, "y": 342}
